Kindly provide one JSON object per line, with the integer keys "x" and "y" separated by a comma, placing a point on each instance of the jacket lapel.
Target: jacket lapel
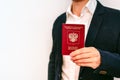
{"x": 95, "y": 25}
{"x": 94, "y": 28}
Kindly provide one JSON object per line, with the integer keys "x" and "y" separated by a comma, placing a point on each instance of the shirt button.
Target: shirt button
{"x": 82, "y": 15}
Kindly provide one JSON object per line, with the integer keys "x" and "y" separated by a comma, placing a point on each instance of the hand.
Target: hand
{"x": 87, "y": 57}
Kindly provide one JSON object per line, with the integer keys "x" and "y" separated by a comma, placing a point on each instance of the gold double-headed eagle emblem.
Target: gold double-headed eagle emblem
{"x": 73, "y": 37}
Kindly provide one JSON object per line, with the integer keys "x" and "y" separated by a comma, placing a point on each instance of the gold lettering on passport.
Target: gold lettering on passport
{"x": 72, "y": 47}
{"x": 71, "y": 27}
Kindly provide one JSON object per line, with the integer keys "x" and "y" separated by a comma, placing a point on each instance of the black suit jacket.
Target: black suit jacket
{"x": 103, "y": 34}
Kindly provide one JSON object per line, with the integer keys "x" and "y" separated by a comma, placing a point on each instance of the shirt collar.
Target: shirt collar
{"x": 91, "y": 6}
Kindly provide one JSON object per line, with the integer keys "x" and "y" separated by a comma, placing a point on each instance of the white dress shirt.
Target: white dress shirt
{"x": 70, "y": 71}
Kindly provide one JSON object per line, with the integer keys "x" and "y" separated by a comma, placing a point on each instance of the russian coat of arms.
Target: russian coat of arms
{"x": 73, "y": 37}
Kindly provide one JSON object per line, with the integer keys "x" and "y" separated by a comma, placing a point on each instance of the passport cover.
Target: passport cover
{"x": 72, "y": 37}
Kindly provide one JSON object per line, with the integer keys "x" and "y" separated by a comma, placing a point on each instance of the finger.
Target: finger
{"x": 92, "y": 65}
{"x": 79, "y": 51}
{"x": 81, "y": 56}
{"x": 86, "y": 60}
{"x": 86, "y": 64}
{"x": 84, "y": 56}
{"x": 90, "y": 62}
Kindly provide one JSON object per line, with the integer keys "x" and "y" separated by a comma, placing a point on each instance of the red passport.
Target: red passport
{"x": 72, "y": 37}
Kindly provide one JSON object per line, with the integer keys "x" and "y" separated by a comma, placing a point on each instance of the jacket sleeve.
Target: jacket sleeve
{"x": 56, "y": 36}
{"x": 110, "y": 61}
{"x": 110, "y": 64}
{"x": 51, "y": 64}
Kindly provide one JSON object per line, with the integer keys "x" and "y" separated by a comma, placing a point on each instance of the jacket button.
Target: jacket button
{"x": 103, "y": 72}
{"x": 59, "y": 75}
{"x": 81, "y": 78}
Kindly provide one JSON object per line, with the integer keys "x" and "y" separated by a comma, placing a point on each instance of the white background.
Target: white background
{"x": 25, "y": 36}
